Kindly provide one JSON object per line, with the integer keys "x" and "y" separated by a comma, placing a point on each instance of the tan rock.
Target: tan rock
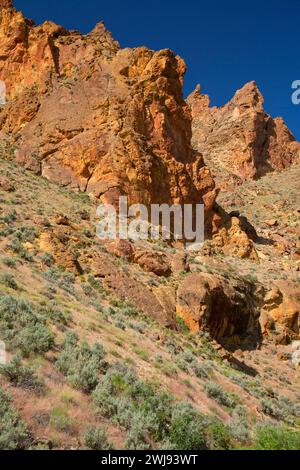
{"x": 6, "y": 185}
{"x": 179, "y": 262}
{"x": 233, "y": 240}
{"x": 93, "y": 117}
{"x": 240, "y": 140}
{"x": 282, "y": 304}
{"x": 223, "y": 307}
{"x": 121, "y": 249}
{"x": 152, "y": 261}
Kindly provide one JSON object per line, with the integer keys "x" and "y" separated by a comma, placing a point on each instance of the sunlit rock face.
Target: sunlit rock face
{"x": 93, "y": 117}
{"x": 240, "y": 140}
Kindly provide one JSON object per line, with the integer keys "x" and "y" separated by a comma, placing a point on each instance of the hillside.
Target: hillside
{"x": 141, "y": 344}
{"x": 54, "y": 391}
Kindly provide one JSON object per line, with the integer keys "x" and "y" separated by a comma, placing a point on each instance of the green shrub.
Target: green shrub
{"x": 61, "y": 421}
{"x": 10, "y": 217}
{"x": 238, "y": 425}
{"x": 26, "y": 234}
{"x": 21, "y": 327}
{"x": 14, "y": 434}
{"x": 277, "y": 409}
{"x": 53, "y": 313}
{"x": 96, "y": 439}
{"x": 9, "y": 281}
{"x": 120, "y": 395}
{"x": 120, "y": 324}
{"x": 47, "y": 259}
{"x": 17, "y": 247}
{"x": 189, "y": 430}
{"x": 22, "y": 376}
{"x": 80, "y": 363}
{"x": 9, "y": 262}
{"x": 277, "y": 438}
{"x": 87, "y": 289}
{"x": 201, "y": 371}
{"x": 216, "y": 392}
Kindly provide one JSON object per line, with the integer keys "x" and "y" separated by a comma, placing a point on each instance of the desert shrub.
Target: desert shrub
{"x": 277, "y": 409}
{"x": 277, "y": 438}
{"x": 64, "y": 280}
{"x": 190, "y": 430}
{"x": 171, "y": 346}
{"x": 200, "y": 370}
{"x": 9, "y": 281}
{"x": 80, "y": 363}
{"x": 96, "y": 439}
{"x": 181, "y": 364}
{"x": 21, "y": 327}
{"x": 137, "y": 326}
{"x": 7, "y": 232}
{"x": 121, "y": 396}
{"x": 137, "y": 437}
{"x": 289, "y": 408}
{"x": 150, "y": 416}
{"x": 95, "y": 283}
{"x": 61, "y": 421}
{"x": 10, "y": 217}
{"x": 26, "y": 233}
{"x": 187, "y": 356}
{"x": 87, "y": 233}
{"x": 168, "y": 368}
{"x": 217, "y": 435}
{"x": 9, "y": 262}
{"x": 17, "y": 247}
{"x": 14, "y": 434}
{"x": 216, "y": 392}
{"x": 87, "y": 289}
{"x": 187, "y": 429}
{"x": 53, "y": 313}
{"x": 120, "y": 324}
{"x": 21, "y": 375}
{"x": 47, "y": 259}
{"x": 141, "y": 352}
{"x": 67, "y": 283}
{"x": 239, "y": 426}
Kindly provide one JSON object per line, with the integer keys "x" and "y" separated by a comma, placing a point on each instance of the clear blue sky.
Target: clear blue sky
{"x": 225, "y": 43}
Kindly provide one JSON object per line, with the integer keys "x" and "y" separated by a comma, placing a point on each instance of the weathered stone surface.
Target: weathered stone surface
{"x": 232, "y": 240}
{"x": 282, "y": 306}
{"x": 240, "y": 139}
{"x": 226, "y": 308}
{"x": 93, "y": 117}
{"x": 152, "y": 261}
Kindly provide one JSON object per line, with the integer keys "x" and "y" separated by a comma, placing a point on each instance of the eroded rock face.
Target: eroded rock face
{"x": 282, "y": 308}
{"x": 240, "y": 139}
{"x": 93, "y": 117}
{"x": 226, "y": 308}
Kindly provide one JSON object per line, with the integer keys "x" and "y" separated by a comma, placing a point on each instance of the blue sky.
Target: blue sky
{"x": 225, "y": 43}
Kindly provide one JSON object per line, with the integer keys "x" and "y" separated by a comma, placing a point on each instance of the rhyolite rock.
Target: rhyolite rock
{"x": 281, "y": 308}
{"x": 226, "y": 308}
{"x": 93, "y": 117}
{"x": 240, "y": 140}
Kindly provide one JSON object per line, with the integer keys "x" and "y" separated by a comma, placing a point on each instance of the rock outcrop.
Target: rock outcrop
{"x": 281, "y": 309}
{"x": 240, "y": 140}
{"x": 93, "y": 117}
{"x": 225, "y": 308}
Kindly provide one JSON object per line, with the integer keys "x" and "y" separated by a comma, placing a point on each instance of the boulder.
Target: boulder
{"x": 226, "y": 308}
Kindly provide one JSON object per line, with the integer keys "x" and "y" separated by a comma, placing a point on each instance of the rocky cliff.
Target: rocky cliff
{"x": 93, "y": 117}
{"x": 240, "y": 140}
